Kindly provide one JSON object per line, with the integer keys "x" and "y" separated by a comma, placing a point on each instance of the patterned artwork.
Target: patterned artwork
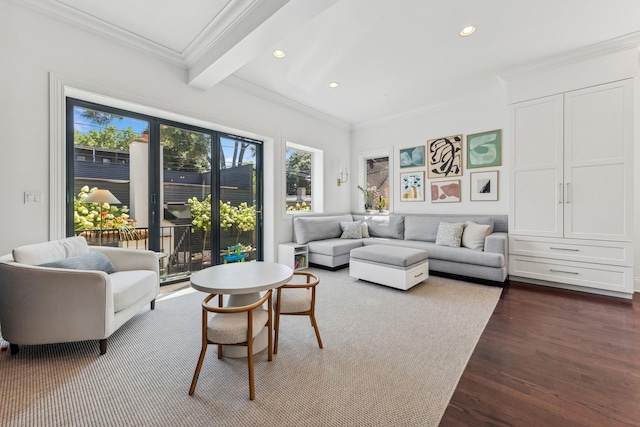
{"x": 483, "y": 149}
{"x": 411, "y": 157}
{"x": 445, "y": 191}
{"x": 445, "y": 156}
{"x": 412, "y": 187}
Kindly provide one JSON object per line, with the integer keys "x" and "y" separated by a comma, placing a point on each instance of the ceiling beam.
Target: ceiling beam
{"x": 264, "y": 25}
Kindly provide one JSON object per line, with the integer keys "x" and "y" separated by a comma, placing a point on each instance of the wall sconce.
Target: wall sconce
{"x": 344, "y": 175}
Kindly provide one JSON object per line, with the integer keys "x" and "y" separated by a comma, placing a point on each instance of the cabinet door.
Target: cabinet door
{"x": 598, "y": 156}
{"x": 536, "y": 203}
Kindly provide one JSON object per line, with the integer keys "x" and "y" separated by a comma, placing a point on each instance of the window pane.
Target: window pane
{"x": 378, "y": 176}
{"x": 298, "y": 178}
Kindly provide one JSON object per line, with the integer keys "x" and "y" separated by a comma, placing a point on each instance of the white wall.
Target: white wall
{"x": 470, "y": 116}
{"x": 34, "y": 47}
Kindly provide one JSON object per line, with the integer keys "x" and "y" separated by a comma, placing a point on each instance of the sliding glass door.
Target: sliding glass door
{"x": 191, "y": 193}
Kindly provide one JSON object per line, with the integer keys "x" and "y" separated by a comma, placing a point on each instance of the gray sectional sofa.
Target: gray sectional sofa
{"x": 322, "y": 234}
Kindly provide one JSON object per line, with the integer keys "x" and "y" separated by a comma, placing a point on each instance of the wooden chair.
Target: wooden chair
{"x": 298, "y": 299}
{"x": 234, "y": 326}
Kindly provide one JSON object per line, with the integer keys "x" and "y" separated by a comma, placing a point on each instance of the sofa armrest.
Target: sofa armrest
{"x": 47, "y": 305}
{"x": 497, "y": 242}
{"x": 130, "y": 259}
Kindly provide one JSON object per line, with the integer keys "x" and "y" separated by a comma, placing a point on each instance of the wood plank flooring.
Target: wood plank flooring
{"x": 550, "y": 357}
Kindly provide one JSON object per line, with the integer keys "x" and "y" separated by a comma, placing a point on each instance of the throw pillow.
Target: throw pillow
{"x": 365, "y": 229}
{"x": 450, "y": 234}
{"x": 474, "y": 235}
{"x": 351, "y": 230}
{"x": 88, "y": 261}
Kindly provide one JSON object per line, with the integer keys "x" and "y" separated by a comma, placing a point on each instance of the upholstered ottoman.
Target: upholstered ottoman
{"x": 387, "y": 265}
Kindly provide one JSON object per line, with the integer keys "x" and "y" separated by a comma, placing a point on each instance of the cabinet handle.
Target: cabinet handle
{"x": 418, "y": 275}
{"x": 562, "y": 271}
{"x": 564, "y": 249}
{"x": 560, "y": 193}
{"x": 568, "y": 192}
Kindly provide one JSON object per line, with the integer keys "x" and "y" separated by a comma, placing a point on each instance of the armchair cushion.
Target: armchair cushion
{"x": 88, "y": 261}
{"x": 40, "y": 253}
{"x": 130, "y": 286}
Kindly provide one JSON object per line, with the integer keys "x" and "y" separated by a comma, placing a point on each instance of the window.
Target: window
{"x": 303, "y": 166}
{"x": 377, "y": 175}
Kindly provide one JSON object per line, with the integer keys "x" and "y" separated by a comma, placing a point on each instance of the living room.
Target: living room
{"x": 47, "y": 58}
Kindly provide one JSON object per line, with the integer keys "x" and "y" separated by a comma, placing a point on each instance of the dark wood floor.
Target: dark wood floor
{"x": 550, "y": 357}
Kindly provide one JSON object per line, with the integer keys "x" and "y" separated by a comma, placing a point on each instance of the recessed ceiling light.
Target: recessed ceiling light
{"x": 467, "y": 31}
{"x": 279, "y": 53}
{"x": 334, "y": 85}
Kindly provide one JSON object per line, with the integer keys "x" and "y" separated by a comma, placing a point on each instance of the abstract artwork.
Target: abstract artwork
{"x": 445, "y": 191}
{"x": 412, "y": 187}
{"x": 483, "y": 149}
{"x": 411, "y": 157}
{"x": 484, "y": 186}
{"x": 445, "y": 156}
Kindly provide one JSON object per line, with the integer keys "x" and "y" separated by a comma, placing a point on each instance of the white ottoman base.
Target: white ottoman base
{"x": 382, "y": 274}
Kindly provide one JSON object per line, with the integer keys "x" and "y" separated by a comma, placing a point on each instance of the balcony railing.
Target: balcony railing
{"x": 181, "y": 243}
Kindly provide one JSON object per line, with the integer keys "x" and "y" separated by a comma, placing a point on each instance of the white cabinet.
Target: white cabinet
{"x": 293, "y": 255}
{"x": 572, "y": 188}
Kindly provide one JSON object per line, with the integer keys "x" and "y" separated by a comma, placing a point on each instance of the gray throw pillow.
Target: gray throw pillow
{"x": 450, "y": 234}
{"x": 351, "y": 230}
{"x": 88, "y": 261}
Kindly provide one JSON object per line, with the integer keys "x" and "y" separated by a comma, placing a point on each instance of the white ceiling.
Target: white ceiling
{"x": 390, "y": 57}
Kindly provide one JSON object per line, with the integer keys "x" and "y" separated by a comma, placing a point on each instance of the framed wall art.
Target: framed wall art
{"x": 484, "y": 149}
{"x": 411, "y": 157}
{"x": 484, "y": 186}
{"x": 412, "y": 187}
{"x": 445, "y": 157}
{"x": 445, "y": 191}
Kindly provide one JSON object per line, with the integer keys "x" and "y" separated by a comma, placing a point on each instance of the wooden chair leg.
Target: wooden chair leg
{"x": 315, "y": 326}
{"x": 103, "y": 346}
{"x": 196, "y": 374}
{"x": 13, "y": 348}
{"x": 277, "y": 328}
{"x": 252, "y": 388}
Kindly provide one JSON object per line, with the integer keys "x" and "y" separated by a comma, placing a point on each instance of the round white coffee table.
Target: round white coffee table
{"x": 243, "y": 282}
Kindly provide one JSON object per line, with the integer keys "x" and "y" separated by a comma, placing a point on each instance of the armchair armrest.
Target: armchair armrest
{"x": 130, "y": 259}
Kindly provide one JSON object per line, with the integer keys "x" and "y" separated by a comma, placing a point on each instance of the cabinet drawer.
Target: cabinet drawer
{"x": 598, "y": 252}
{"x": 607, "y": 277}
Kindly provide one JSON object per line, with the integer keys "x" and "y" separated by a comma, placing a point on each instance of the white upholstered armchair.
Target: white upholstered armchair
{"x": 61, "y": 291}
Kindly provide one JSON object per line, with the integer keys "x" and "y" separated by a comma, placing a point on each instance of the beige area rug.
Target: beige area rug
{"x": 391, "y": 358}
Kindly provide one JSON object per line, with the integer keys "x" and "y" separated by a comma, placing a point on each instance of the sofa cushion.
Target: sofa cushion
{"x": 391, "y": 226}
{"x": 89, "y": 261}
{"x": 450, "y": 234}
{"x": 425, "y": 227}
{"x": 40, "y": 253}
{"x": 351, "y": 230}
{"x": 307, "y": 229}
{"x": 334, "y": 247}
{"x": 474, "y": 234}
{"x": 128, "y": 287}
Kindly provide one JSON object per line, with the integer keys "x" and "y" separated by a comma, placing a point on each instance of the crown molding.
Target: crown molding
{"x": 253, "y": 89}
{"x": 421, "y": 111}
{"x": 101, "y": 28}
{"x": 607, "y": 47}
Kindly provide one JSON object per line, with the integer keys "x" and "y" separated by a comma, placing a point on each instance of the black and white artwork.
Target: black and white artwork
{"x": 484, "y": 186}
{"x": 445, "y": 157}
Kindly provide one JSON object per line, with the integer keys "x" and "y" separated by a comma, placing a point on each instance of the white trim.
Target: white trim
{"x": 362, "y": 175}
{"x": 317, "y": 177}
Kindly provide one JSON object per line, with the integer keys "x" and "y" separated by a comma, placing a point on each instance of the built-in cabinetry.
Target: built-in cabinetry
{"x": 293, "y": 255}
{"x": 571, "y": 205}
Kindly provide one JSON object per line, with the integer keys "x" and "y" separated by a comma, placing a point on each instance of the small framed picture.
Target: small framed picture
{"x": 483, "y": 149}
{"x": 484, "y": 186}
{"x": 411, "y": 157}
{"x": 412, "y": 187}
{"x": 445, "y": 191}
{"x": 445, "y": 157}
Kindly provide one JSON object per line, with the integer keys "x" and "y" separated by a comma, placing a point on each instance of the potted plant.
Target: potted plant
{"x": 369, "y": 194}
{"x": 382, "y": 204}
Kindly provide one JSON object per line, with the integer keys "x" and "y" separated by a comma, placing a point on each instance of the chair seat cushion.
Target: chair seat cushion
{"x": 231, "y": 328}
{"x": 294, "y": 300}
{"x": 130, "y": 286}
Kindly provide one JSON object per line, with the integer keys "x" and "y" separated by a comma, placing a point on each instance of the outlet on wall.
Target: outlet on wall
{"x": 32, "y": 197}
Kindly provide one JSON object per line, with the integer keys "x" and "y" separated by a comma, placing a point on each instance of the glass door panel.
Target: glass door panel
{"x": 185, "y": 230}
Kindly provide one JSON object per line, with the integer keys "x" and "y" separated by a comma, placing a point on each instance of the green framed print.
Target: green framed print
{"x": 484, "y": 149}
{"x": 411, "y": 157}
